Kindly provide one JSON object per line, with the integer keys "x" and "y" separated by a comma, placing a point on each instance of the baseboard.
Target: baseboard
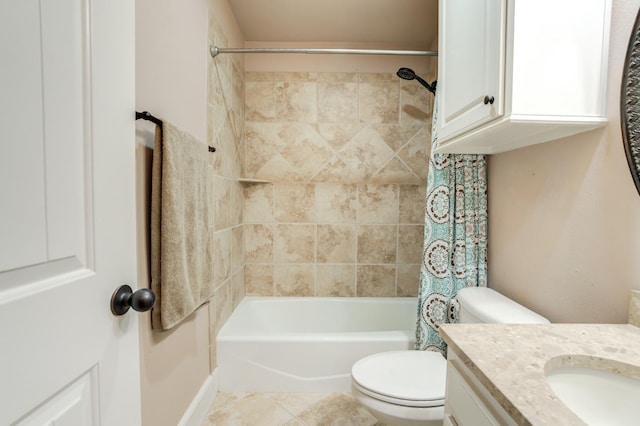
{"x": 197, "y": 410}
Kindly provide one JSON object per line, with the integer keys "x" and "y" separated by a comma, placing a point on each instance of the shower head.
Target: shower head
{"x": 408, "y": 74}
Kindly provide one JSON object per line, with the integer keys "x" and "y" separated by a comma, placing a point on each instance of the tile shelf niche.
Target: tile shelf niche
{"x": 253, "y": 180}
{"x": 250, "y": 181}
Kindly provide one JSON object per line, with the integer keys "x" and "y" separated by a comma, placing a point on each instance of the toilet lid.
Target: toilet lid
{"x": 412, "y": 378}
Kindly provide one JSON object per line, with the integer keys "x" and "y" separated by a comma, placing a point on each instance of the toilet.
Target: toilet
{"x": 407, "y": 388}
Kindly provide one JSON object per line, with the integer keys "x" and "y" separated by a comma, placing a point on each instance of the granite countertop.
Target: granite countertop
{"x": 510, "y": 360}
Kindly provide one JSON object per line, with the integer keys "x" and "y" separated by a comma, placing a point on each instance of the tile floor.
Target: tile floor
{"x": 297, "y": 409}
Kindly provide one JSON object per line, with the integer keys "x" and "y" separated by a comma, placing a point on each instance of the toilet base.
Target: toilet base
{"x": 399, "y": 415}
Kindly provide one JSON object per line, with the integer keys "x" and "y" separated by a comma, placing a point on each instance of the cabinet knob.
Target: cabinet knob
{"x": 489, "y": 100}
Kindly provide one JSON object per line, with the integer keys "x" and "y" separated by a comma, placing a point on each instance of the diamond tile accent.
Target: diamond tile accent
{"x": 395, "y": 171}
{"x": 366, "y": 152}
{"x": 415, "y": 154}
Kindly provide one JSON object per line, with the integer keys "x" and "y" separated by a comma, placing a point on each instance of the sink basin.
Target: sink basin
{"x": 597, "y": 396}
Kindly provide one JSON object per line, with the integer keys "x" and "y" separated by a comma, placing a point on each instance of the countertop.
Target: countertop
{"x": 510, "y": 361}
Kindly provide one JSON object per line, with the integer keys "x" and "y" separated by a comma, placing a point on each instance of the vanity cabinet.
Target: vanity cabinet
{"x": 513, "y": 73}
{"x": 467, "y": 401}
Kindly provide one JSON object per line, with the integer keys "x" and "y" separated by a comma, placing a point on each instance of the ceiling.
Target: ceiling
{"x": 408, "y": 23}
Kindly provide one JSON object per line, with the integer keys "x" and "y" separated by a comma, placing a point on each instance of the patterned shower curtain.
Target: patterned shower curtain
{"x": 455, "y": 239}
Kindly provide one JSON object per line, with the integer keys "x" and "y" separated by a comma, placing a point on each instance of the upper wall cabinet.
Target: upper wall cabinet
{"x": 513, "y": 73}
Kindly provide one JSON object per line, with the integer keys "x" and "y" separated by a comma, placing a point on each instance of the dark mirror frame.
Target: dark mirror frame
{"x": 630, "y": 103}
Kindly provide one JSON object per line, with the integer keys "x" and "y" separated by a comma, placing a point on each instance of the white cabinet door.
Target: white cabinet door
{"x": 470, "y": 64}
{"x": 67, "y": 213}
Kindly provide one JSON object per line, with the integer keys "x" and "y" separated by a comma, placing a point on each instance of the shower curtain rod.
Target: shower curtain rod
{"x": 215, "y": 51}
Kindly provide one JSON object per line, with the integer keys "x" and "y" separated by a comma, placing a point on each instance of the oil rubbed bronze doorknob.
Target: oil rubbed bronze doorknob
{"x": 489, "y": 100}
{"x": 124, "y": 298}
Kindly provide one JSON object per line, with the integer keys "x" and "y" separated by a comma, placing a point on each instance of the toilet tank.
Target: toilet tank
{"x": 483, "y": 305}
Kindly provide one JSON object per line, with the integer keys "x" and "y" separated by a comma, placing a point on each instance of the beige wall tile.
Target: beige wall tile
{"x": 415, "y": 103}
{"x": 238, "y": 87}
{"x": 295, "y": 243}
{"x": 223, "y": 305}
{"x": 338, "y": 77}
{"x": 258, "y": 279}
{"x": 376, "y": 281}
{"x": 221, "y": 203}
{"x": 301, "y": 145}
{"x": 259, "y": 76}
{"x": 279, "y": 169}
{"x": 336, "y": 203}
{"x": 294, "y": 280}
{"x": 237, "y": 287}
{"x": 237, "y": 248}
{"x": 335, "y": 280}
{"x": 366, "y": 152}
{"x": 411, "y": 238}
{"x": 258, "y": 149}
{"x": 337, "y": 170}
{"x": 226, "y": 149}
{"x": 396, "y": 135}
{"x": 337, "y": 102}
{"x": 218, "y": 114}
{"x": 412, "y": 203}
{"x": 341, "y": 149}
{"x": 408, "y": 280}
{"x": 416, "y": 153}
{"x": 210, "y": 219}
{"x": 370, "y": 77}
{"x": 378, "y": 102}
{"x": 237, "y": 203}
{"x": 296, "y": 101}
{"x": 337, "y": 135}
{"x": 294, "y": 202}
{"x": 258, "y": 243}
{"x": 221, "y": 256}
{"x": 336, "y": 244}
{"x": 377, "y": 243}
{"x": 395, "y": 171}
{"x": 260, "y": 101}
{"x": 377, "y": 203}
{"x": 296, "y": 76}
{"x": 226, "y": 132}
{"x": 258, "y": 203}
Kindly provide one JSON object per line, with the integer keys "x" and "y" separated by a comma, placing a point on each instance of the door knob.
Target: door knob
{"x": 124, "y": 298}
{"x": 489, "y": 100}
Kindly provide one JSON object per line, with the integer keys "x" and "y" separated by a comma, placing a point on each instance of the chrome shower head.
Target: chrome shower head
{"x": 408, "y": 74}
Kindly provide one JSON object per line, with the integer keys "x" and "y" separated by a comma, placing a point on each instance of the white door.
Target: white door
{"x": 470, "y": 64}
{"x": 67, "y": 213}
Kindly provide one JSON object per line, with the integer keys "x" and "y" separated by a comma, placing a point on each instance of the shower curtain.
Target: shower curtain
{"x": 455, "y": 239}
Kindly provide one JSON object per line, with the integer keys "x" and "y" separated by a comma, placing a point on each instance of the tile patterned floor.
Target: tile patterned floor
{"x": 296, "y": 409}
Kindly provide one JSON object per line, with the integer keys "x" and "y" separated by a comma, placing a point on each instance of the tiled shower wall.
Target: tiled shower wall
{"x": 225, "y": 132}
{"x": 343, "y": 160}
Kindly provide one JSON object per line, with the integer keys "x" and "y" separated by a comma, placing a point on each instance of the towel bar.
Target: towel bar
{"x": 146, "y": 115}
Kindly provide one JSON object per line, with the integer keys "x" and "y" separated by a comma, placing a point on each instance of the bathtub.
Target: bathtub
{"x": 308, "y": 344}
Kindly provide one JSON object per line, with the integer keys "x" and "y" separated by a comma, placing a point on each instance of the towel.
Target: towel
{"x": 181, "y": 248}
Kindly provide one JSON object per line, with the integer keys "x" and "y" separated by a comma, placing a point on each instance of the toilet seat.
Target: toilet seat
{"x": 408, "y": 378}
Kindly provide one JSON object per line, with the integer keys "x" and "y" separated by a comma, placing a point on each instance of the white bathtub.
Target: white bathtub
{"x": 308, "y": 344}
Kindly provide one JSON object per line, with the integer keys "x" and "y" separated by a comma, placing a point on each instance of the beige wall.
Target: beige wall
{"x": 172, "y": 78}
{"x": 564, "y": 217}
